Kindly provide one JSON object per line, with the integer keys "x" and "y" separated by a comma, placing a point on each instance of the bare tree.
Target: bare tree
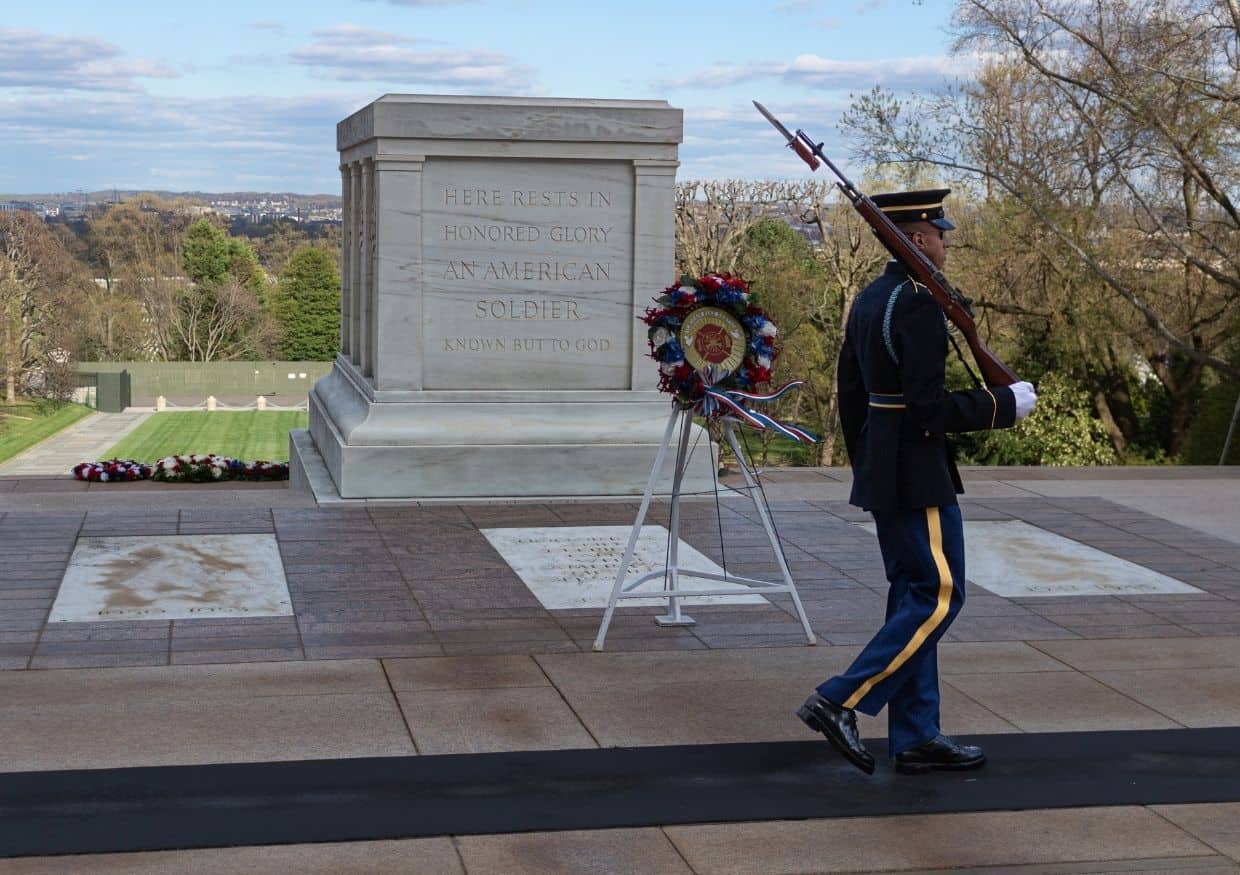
{"x": 217, "y": 323}
{"x": 712, "y": 218}
{"x": 850, "y": 256}
{"x": 137, "y": 248}
{"x": 36, "y": 276}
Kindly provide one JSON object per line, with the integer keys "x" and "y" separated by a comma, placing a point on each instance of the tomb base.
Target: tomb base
{"x": 492, "y": 445}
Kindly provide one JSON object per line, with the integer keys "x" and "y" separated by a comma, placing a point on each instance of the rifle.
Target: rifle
{"x": 955, "y": 305}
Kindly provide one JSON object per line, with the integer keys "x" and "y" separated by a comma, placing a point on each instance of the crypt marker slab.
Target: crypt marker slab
{"x": 1014, "y": 559}
{"x": 173, "y": 578}
{"x": 575, "y": 566}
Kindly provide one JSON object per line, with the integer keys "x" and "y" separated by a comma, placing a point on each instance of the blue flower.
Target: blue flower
{"x": 670, "y": 351}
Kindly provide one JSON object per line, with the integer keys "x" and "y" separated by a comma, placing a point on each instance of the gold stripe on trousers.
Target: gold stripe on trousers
{"x": 926, "y": 629}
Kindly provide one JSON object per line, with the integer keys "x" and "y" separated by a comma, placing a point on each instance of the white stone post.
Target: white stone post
{"x": 355, "y": 262}
{"x": 398, "y": 274}
{"x": 366, "y": 353}
{"x": 654, "y": 253}
{"x": 346, "y": 260}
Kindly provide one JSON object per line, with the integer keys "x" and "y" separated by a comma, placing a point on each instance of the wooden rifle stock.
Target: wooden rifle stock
{"x": 955, "y": 306}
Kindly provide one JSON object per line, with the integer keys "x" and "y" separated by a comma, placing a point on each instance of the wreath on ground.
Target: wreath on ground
{"x": 193, "y": 468}
{"x": 709, "y": 333}
{"x": 204, "y": 469}
{"x": 112, "y": 470}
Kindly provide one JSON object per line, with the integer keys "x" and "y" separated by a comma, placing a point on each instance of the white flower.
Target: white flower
{"x": 764, "y": 361}
{"x": 768, "y": 329}
{"x": 687, "y": 290}
{"x": 669, "y": 368}
{"x": 660, "y": 337}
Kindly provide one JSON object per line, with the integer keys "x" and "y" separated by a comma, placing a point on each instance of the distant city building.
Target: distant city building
{"x": 258, "y": 209}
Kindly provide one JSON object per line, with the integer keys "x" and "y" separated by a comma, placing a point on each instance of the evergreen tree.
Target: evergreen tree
{"x": 211, "y": 257}
{"x": 307, "y": 304}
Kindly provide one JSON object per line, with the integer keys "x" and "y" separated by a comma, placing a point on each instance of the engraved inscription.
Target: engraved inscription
{"x": 507, "y": 308}
{"x": 575, "y": 566}
{"x": 514, "y": 243}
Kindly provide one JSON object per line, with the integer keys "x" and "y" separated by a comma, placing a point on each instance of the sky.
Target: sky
{"x": 245, "y": 96}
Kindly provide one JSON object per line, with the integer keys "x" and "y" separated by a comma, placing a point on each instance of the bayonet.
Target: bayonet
{"x": 794, "y": 143}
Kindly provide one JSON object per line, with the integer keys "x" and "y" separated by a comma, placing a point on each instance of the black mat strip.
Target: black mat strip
{"x": 138, "y": 809}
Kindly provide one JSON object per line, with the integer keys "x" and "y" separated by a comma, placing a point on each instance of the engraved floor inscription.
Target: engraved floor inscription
{"x": 173, "y": 578}
{"x": 1014, "y": 559}
{"x": 575, "y": 566}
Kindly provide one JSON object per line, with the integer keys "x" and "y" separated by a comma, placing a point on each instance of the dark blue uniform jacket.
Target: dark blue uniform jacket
{"x": 894, "y": 409}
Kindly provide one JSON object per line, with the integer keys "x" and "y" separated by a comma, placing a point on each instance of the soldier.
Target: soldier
{"x": 895, "y": 413}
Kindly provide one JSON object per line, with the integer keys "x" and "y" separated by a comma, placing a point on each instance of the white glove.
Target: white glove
{"x": 1025, "y": 397}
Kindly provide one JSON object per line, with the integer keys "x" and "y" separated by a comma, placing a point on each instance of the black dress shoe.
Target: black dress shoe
{"x": 839, "y": 725}
{"x": 940, "y": 753}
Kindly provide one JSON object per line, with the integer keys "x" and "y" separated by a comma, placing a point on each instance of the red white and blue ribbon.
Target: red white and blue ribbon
{"x": 732, "y": 402}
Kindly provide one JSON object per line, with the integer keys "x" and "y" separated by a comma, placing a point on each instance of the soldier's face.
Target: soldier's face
{"x": 932, "y": 241}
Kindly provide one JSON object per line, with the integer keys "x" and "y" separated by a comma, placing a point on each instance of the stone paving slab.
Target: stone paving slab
{"x": 483, "y": 721}
{"x": 1217, "y": 825}
{"x": 599, "y": 852}
{"x": 648, "y": 851}
{"x": 197, "y": 714}
{"x": 944, "y": 841}
{"x": 436, "y": 856}
{"x": 1184, "y": 654}
{"x": 1059, "y": 702}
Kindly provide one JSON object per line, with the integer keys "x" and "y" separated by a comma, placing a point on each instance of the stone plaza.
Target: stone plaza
{"x": 408, "y": 634}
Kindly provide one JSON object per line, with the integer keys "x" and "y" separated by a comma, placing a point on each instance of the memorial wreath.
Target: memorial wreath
{"x": 203, "y": 469}
{"x": 112, "y": 470}
{"x": 715, "y": 346}
{"x": 178, "y": 469}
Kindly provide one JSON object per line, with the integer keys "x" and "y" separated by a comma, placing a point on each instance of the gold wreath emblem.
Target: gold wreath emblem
{"x": 713, "y": 338}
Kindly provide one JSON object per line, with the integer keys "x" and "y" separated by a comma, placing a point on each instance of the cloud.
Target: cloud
{"x": 141, "y": 141}
{"x": 734, "y": 141}
{"x": 30, "y": 59}
{"x": 913, "y": 73}
{"x": 66, "y": 141}
{"x": 355, "y": 54}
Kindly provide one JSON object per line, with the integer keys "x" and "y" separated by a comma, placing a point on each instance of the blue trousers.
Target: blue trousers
{"x": 923, "y": 551}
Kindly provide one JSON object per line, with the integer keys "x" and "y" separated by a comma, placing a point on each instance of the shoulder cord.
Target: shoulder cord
{"x": 951, "y": 334}
{"x": 891, "y": 306}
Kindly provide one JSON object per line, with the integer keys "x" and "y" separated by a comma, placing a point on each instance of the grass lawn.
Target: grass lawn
{"x": 24, "y": 424}
{"x": 248, "y": 435}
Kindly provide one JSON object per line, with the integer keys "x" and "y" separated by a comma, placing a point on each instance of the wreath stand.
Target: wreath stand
{"x": 672, "y": 573}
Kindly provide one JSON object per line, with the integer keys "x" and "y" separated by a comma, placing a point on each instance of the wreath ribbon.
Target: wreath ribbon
{"x": 733, "y": 401}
